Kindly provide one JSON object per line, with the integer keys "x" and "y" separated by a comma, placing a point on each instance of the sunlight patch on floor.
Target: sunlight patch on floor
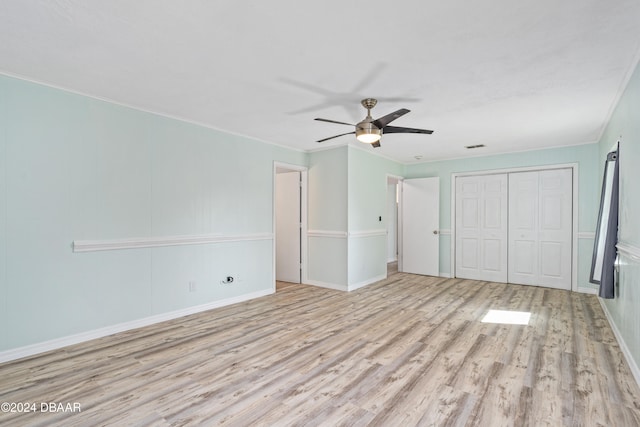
{"x": 507, "y": 317}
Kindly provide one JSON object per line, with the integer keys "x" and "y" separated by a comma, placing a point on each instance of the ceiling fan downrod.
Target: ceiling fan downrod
{"x": 369, "y": 103}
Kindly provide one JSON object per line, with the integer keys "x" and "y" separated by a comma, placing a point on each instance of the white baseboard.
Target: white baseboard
{"x": 366, "y": 282}
{"x": 30, "y": 350}
{"x": 327, "y": 285}
{"x": 584, "y": 290}
{"x": 623, "y": 345}
{"x": 346, "y": 288}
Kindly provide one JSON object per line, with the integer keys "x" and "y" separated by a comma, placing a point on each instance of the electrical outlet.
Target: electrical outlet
{"x": 192, "y": 286}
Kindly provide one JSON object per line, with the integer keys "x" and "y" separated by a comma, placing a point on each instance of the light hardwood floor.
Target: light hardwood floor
{"x": 409, "y": 350}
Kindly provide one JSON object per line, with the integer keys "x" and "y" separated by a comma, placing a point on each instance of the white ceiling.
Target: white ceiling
{"x": 514, "y": 75}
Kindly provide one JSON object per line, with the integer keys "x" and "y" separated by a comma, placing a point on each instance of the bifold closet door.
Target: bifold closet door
{"x": 481, "y": 227}
{"x": 540, "y": 228}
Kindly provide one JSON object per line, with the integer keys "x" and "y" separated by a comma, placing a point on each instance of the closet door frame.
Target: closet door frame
{"x": 574, "y": 226}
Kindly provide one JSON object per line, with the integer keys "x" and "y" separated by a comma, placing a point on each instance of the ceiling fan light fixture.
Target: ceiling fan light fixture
{"x": 368, "y": 133}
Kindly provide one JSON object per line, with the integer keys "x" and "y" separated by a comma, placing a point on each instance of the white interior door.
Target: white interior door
{"x": 540, "y": 228}
{"x": 420, "y": 223}
{"x": 288, "y": 226}
{"x": 481, "y": 227}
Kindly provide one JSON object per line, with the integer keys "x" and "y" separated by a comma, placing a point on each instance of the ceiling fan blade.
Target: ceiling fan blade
{"x": 376, "y": 144}
{"x": 335, "y": 136}
{"x": 307, "y": 86}
{"x": 370, "y": 77}
{"x": 333, "y": 121}
{"x": 315, "y": 107}
{"x": 395, "y": 129}
{"x": 385, "y": 120}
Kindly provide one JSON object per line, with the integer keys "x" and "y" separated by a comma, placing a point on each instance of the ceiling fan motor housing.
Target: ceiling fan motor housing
{"x": 368, "y": 132}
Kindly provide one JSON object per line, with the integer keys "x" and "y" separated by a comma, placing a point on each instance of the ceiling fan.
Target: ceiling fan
{"x": 369, "y": 130}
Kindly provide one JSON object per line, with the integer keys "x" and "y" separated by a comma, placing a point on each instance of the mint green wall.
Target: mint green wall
{"x": 76, "y": 168}
{"x": 328, "y": 190}
{"x": 3, "y": 217}
{"x": 625, "y": 125}
{"x": 586, "y": 156}
{"x": 367, "y": 202}
{"x": 368, "y": 189}
{"x": 347, "y": 193}
{"x": 327, "y": 260}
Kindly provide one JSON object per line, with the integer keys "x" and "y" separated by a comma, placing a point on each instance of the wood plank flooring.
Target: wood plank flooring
{"x": 409, "y": 350}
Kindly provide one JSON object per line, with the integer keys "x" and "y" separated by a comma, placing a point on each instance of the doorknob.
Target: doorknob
{"x": 435, "y": 231}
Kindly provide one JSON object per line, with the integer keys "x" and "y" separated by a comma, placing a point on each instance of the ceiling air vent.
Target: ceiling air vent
{"x": 469, "y": 147}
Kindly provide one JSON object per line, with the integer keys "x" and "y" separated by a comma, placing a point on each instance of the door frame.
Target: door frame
{"x": 304, "y": 179}
{"x": 574, "y": 225}
{"x": 399, "y": 180}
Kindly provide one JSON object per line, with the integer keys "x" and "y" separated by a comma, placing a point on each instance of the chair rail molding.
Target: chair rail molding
{"x": 368, "y": 233}
{"x": 327, "y": 233}
{"x": 629, "y": 251}
{"x": 586, "y": 234}
{"x": 154, "y": 242}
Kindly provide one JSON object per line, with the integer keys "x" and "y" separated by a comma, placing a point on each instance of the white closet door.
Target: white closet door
{"x": 540, "y": 228}
{"x": 481, "y": 227}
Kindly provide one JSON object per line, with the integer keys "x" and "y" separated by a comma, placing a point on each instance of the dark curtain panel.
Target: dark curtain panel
{"x": 605, "y": 251}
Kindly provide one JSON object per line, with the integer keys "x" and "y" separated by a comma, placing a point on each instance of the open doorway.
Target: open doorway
{"x": 289, "y": 205}
{"x": 393, "y": 236}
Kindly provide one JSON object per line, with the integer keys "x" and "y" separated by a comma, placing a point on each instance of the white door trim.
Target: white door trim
{"x": 399, "y": 215}
{"x": 574, "y": 238}
{"x": 304, "y": 179}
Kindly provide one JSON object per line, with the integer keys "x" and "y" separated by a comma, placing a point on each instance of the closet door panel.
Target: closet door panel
{"x": 540, "y": 227}
{"x": 481, "y": 227}
{"x": 555, "y": 234}
{"x": 523, "y": 227}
